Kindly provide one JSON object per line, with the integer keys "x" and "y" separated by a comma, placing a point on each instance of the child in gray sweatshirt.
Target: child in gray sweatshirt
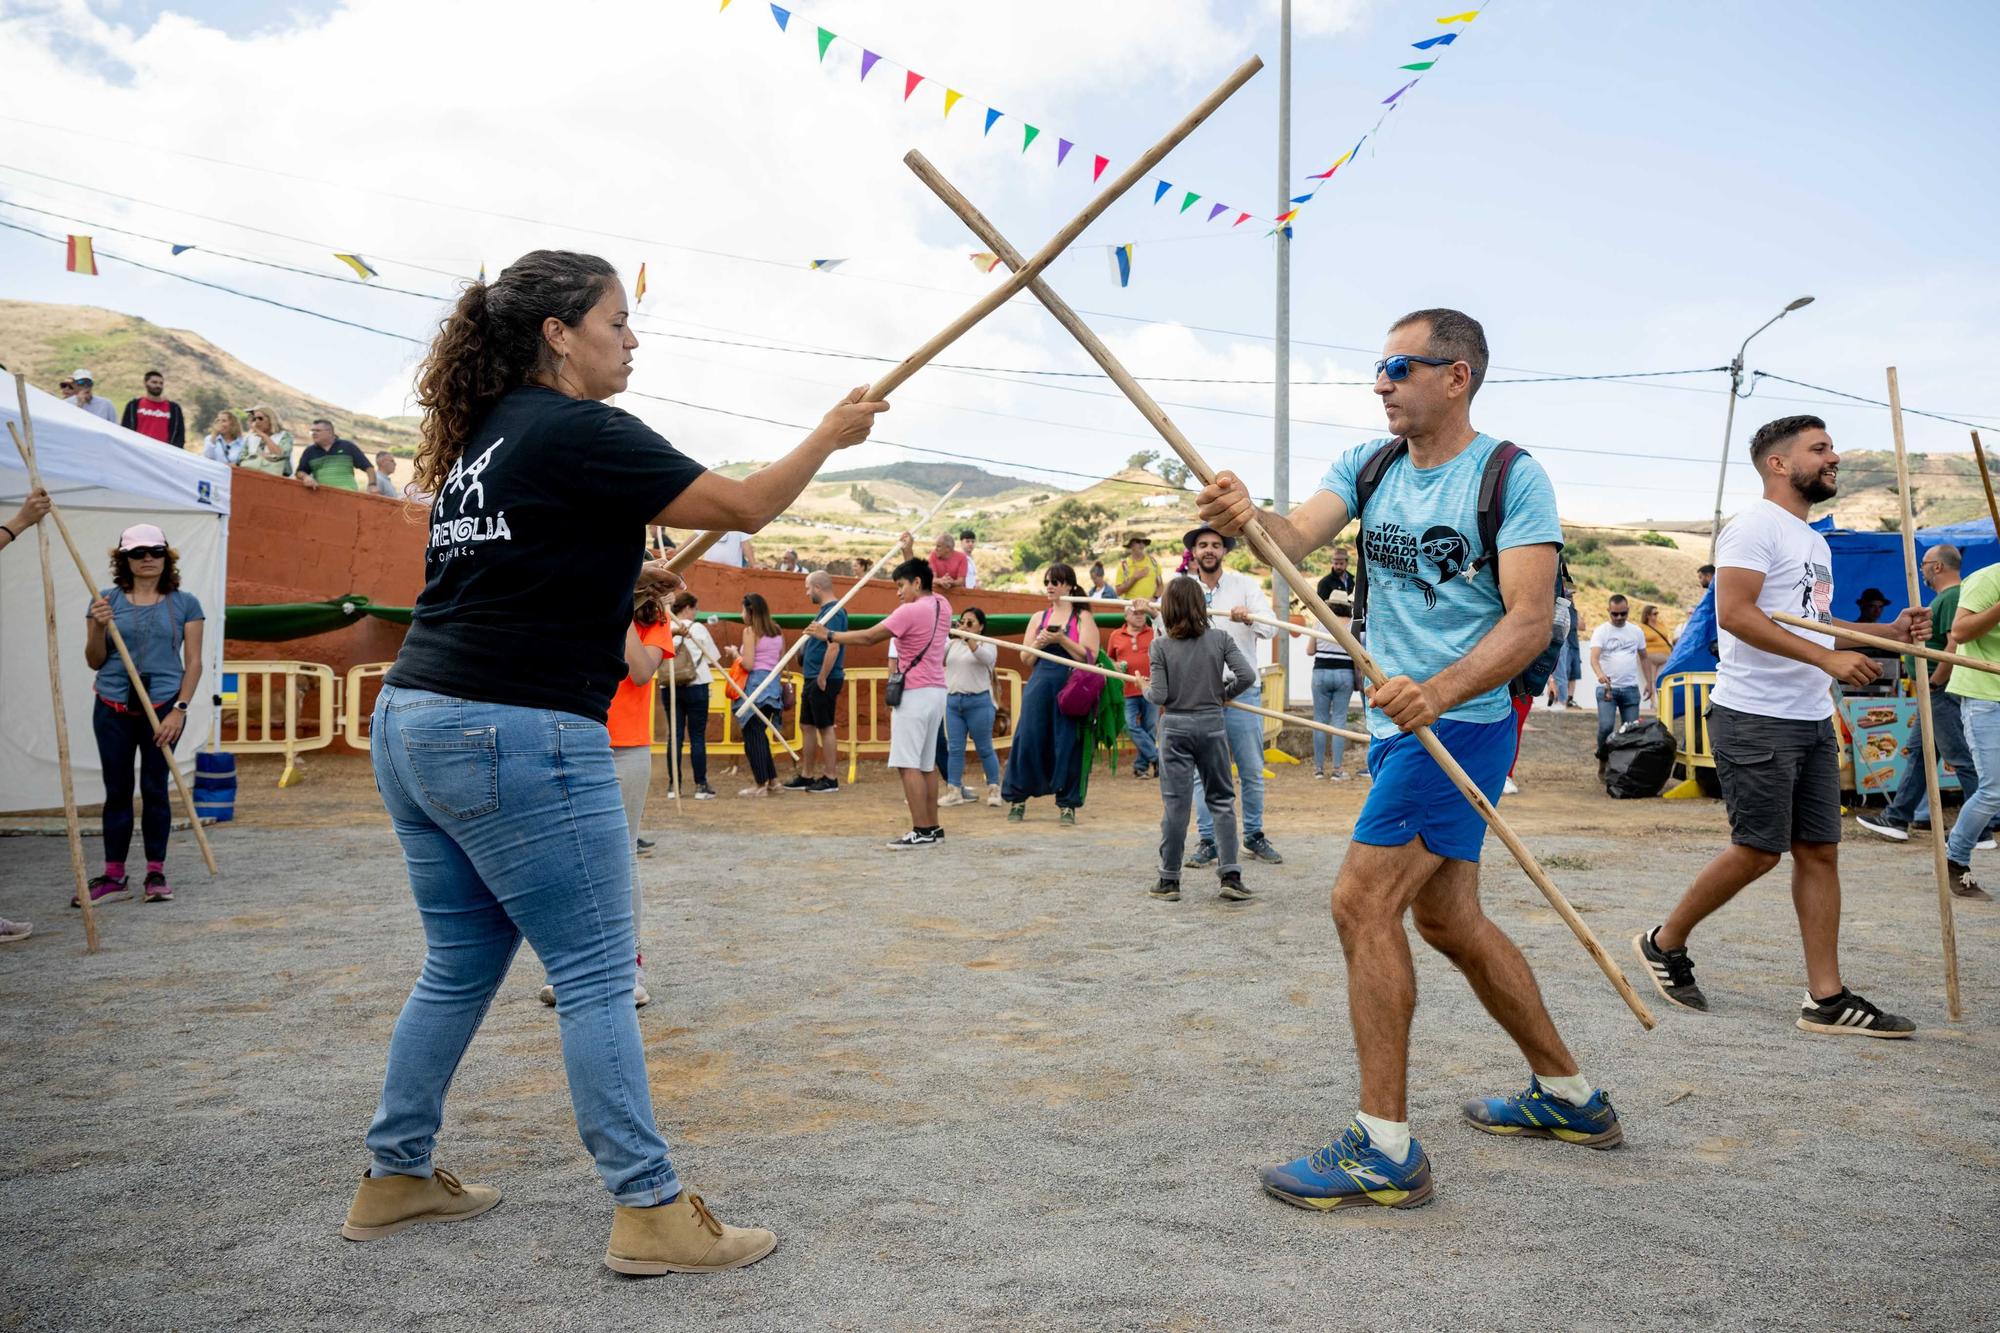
{"x": 1188, "y": 683}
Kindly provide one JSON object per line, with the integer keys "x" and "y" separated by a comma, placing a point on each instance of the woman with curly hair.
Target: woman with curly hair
{"x": 490, "y": 747}
{"x": 162, "y": 628}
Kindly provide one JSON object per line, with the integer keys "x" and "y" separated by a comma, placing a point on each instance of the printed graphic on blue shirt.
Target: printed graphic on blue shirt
{"x": 1427, "y": 607}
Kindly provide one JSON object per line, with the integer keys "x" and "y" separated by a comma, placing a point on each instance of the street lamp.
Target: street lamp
{"x": 1729, "y": 423}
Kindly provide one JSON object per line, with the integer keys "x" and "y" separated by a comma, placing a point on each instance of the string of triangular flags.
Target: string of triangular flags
{"x": 951, "y": 97}
{"x": 1433, "y": 50}
{"x": 83, "y": 258}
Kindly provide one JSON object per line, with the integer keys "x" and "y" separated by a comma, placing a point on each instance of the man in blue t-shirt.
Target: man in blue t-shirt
{"x": 823, "y": 667}
{"x": 1450, "y": 624}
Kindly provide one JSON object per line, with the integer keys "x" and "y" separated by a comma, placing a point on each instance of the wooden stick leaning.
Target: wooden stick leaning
{"x": 799, "y": 643}
{"x": 1947, "y": 930}
{"x": 674, "y": 736}
{"x": 1062, "y": 660}
{"x": 71, "y": 825}
{"x": 721, "y": 672}
{"x": 1986, "y": 480}
{"x": 1893, "y": 645}
{"x": 1269, "y": 552}
{"x": 26, "y": 449}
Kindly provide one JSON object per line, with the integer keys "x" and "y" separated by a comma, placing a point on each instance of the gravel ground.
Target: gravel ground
{"x": 992, "y": 1085}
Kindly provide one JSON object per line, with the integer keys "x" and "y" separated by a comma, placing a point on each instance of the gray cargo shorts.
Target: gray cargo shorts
{"x": 1780, "y": 778}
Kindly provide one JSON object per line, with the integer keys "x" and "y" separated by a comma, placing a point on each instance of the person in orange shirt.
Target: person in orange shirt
{"x": 649, "y": 641}
{"x": 1131, "y": 647}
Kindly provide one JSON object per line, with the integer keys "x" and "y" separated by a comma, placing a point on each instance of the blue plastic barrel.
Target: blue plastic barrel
{"x": 215, "y": 785}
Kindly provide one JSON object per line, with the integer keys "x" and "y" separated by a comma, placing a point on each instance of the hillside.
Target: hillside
{"x": 973, "y": 483}
{"x": 47, "y": 342}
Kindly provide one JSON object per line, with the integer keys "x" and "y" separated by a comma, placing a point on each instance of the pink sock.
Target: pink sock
{"x": 159, "y": 867}
{"x": 114, "y": 870}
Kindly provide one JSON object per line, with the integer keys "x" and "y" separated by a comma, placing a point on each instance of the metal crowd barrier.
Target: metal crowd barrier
{"x": 246, "y": 699}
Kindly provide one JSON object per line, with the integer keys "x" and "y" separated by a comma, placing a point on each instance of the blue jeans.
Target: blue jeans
{"x": 512, "y": 825}
{"x": 1982, "y": 737}
{"x": 1624, "y": 699}
{"x": 1333, "y": 691}
{"x": 969, "y": 714}
{"x": 1246, "y": 747}
{"x": 1142, "y": 720}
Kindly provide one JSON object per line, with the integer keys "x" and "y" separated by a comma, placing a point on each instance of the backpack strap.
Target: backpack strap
{"x": 1493, "y": 499}
{"x": 1366, "y": 483}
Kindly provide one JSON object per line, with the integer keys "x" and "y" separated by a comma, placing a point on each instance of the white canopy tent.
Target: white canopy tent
{"x": 104, "y": 478}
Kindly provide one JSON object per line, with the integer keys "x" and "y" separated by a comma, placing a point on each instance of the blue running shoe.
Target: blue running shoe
{"x": 1541, "y": 1115}
{"x": 1350, "y": 1172}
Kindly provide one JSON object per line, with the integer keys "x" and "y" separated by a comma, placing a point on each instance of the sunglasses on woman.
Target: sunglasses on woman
{"x": 1397, "y": 368}
{"x": 146, "y": 552}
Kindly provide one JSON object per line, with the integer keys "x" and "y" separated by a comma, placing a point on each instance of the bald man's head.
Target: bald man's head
{"x": 819, "y": 585}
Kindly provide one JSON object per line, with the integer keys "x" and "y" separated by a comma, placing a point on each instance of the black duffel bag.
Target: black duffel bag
{"x": 1640, "y": 759}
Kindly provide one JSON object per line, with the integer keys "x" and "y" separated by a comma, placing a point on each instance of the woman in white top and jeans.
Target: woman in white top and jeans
{"x": 969, "y": 711}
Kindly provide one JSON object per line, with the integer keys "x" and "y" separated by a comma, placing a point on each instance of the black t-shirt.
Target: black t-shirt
{"x": 536, "y": 539}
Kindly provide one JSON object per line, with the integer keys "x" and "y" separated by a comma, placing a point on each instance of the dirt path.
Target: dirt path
{"x": 991, "y": 1085}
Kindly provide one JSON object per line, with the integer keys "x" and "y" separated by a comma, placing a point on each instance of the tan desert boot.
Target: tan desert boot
{"x": 386, "y": 1204}
{"x": 681, "y": 1237}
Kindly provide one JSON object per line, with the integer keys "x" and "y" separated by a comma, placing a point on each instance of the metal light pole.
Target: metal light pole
{"x": 1281, "y": 404}
{"x": 1729, "y": 422}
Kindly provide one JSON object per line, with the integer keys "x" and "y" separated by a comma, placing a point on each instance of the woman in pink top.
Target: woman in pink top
{"x": 763, "y": 645}
{"x": 921, "y": 627}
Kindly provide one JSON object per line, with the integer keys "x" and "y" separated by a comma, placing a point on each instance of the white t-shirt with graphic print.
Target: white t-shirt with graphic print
{"x": 1798, "y": 580}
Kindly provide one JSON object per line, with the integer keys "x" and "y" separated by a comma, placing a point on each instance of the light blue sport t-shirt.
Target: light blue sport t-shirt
{"x": 1419, "y": 538}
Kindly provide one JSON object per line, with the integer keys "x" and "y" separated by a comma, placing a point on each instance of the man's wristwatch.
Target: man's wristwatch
{"x": 180, "y": 706}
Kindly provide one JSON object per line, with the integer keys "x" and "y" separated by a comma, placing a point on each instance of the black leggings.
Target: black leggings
{"x": 757, "y": 748}
{"x": 121, "y": 736}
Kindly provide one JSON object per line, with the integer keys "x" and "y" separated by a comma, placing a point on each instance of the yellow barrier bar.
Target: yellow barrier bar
{"x": 289, "y": 742}
{"x": 355, "y": 725}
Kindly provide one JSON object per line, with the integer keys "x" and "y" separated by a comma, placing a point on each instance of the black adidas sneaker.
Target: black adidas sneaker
{"x": 1671, "y": 971}
{"x": 1848, "y": 1015}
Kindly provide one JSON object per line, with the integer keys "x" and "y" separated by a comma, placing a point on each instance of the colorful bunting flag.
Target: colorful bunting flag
{"x": 1466, "y": 17}
{"x": 825, "y": 40}
{"x": 1161, "y": 192}
{"x": 639, "y": 290}
{"x": 1062, "y": 150}
{"x": 82, "y": 256}
{"x": 180, "y": 249}
{"x": 991, "y": 116}
{"x": 1028, "y": 133}
{"x": 985, "y": 263}
{"x": 951, "y": 100}
{"x": 1098, "y": 170}
{"x": 1428, "y": 42}
{"x": 783, "y": 16}
{"x": 1188, "y": 202}
{"x": 1420, "y": 65}
{"x": 725, "y": 5}
{"x": 1214, "y": 212}
{"x": 362, "y": 269}
{"x": 1287, "y": 217}
{"x": 828, "y": 263}
{"x": 1121, "y": 263}
{"x": 910, "y": 81}
{"x": 1301, "y": 198}
{"x": 868, "y": 59}
{"x": 1241, "y": 218}
{"x": 482, "y": 263}
{"x": 1398, "y": 93}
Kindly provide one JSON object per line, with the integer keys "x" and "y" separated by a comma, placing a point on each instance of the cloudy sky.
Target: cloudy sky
{"x": 1610, "y": 188}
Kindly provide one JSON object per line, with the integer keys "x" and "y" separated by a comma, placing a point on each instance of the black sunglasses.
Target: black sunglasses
{"x": 146, "y": 552}
{"x": 1397, "y": 368}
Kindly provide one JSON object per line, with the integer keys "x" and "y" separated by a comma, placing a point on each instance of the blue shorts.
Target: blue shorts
{"x": 1411, "y": 797}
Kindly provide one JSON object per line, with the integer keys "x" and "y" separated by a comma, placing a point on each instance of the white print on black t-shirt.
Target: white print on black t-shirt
{"x": 450, "y": 535}
{"x": 1393, "y": 549}
{"x": 1815, "y": 590}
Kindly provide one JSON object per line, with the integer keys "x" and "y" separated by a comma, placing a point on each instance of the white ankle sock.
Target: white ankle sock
{"x": 1392, "y": 1137}
{"x": 1575, "y": 1089}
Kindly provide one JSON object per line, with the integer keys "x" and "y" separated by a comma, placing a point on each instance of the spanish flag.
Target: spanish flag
{"x": 362, "y": 269}
{"x": 82, "y": 257}
{"x": 639, "y": 291}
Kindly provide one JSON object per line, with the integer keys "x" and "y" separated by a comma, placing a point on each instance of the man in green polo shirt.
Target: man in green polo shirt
{"x": 1975, "y": 632}
{"x": 331, "y": 461}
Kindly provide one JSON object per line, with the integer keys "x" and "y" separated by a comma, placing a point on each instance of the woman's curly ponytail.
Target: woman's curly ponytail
{"x": 490, "y": 344}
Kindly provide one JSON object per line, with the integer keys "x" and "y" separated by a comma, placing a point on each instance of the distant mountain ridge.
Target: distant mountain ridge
{"x": 937, "y": 478}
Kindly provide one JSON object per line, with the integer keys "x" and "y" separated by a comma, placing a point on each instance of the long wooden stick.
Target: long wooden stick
{"x": 71, "y": 824}
{"x": 799, "y": 643}
{"x": 691, "y": 550}
{"x": 674, "y": 737}
{"x": 1950, "y": 659}
{"x": 1947, "y": 930}
{"x": 1061, "y": 660}
{"x": 1986, "y": 480}
{"x": 721, "y": 673}
{"x": 27, "y": 452}
{"x": 1269, "y": 552}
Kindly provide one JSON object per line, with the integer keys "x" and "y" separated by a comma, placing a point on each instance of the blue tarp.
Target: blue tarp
{"x": 1861, "y": 560}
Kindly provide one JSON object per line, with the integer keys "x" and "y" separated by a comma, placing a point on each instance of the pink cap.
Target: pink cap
{"x": 141, "y": 534}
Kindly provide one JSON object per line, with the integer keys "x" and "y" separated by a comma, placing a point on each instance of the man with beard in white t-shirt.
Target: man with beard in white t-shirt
{"x": 1770, "y": 723}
